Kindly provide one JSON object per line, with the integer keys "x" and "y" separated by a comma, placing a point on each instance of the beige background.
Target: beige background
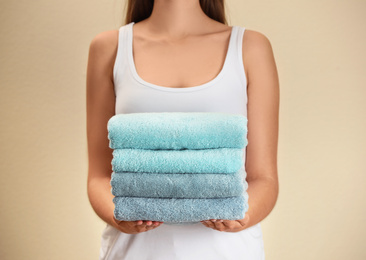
{"x": 319, "y": 47}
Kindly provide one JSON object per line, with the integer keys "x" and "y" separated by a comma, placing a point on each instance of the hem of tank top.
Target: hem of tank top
{"x": 133, "y": 71}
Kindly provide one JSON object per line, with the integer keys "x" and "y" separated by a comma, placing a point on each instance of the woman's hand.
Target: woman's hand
{"x": 227, "y": 225}
{"x": 135, "y": 227}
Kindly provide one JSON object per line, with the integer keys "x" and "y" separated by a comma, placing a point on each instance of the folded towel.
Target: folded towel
{"x": 221, "y": 160}
{"x": 177, "y": 130}
{"x": 180, "y": 210}
{"x": 178, "y": 185}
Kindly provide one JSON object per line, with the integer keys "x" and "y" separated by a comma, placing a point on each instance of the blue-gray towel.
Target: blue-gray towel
{"x": 175, "y": 185}
{"x": 177, "y": 130}
{"x": 221, "y": 160}
{"x": 180, "y": 210}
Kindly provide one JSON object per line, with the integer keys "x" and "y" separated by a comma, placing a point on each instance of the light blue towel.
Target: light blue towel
{"x": 221, "y": 160}
{"x": 175, "y": 185}
{"x": 173, "y": 210}
{"x": 177, "y": 130}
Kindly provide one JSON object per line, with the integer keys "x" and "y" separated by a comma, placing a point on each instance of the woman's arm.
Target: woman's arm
{"x": 261, "y": 151}
{"x": 100, "y": 106}
{"x": 263, "y": 115}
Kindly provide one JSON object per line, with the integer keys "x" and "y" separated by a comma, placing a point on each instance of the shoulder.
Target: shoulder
{"x": 256, "y": 43}
{"x": 104, "y": 45}
{"x": 256, "y": 49}
{"x": 103, "y": 51}
{"x": 257, "y": 40}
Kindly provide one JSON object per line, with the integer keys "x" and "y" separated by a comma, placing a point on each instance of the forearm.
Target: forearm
{"x": 263, "y": 194}
{"x": 101, "y": 198}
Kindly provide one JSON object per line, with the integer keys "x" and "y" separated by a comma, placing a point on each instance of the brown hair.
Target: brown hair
{"x": 138, "y": 10}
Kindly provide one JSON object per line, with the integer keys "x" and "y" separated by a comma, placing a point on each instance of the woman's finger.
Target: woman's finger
{"x": 208, "y": 223}
{"x": 144, "y": 227}
{"x": 219, "y": 226}
{"x": 152, "y": 224}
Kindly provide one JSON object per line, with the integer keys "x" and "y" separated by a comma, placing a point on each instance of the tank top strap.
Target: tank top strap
{"x": 236, "y": 64}
{"x": 120, "y": 62}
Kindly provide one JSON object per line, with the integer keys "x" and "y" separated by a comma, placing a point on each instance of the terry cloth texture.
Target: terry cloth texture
{"x": 177, "y": 130}
{"x": 180, "y": 210}
{"x": 178, "y": 167}
{"x": 170, "y": 185}
{"x": 222, "y": 160}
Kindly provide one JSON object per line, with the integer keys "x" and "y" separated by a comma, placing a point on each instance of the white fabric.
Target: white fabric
{"x": 227, "y": 92}
{"x": 193, "y": 242}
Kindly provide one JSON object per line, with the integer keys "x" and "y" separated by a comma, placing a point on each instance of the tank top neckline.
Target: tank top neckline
{"x": 133, "y": 70}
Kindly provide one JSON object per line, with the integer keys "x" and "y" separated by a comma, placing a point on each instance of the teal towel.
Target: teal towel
{"x": 177, "y": 210}
{"x": 221, "y": 160}
{"x": 177, "y": 130}
{"x": 173, "y": 185}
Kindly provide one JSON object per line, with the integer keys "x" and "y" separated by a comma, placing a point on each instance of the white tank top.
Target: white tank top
{"x": 227, "y": 92}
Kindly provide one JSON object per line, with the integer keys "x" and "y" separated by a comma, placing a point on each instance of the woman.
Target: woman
{"x": 180, "y": 56}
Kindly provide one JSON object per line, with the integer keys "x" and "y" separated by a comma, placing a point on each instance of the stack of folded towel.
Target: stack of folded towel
{"x": 178, "y": 167}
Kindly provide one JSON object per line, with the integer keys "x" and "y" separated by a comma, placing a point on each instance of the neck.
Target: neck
{"x": 177, "y": 18}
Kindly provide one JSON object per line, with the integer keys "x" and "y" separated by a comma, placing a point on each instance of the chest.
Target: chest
{"x": 179, "y": 65}
{"x": 193, "y": 75}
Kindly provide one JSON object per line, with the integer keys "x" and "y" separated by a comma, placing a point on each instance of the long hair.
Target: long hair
{"x": 138, "y": 10}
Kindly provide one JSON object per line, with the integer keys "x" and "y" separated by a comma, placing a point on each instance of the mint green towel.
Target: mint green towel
{"x": 177, "y": 130}
{"x": 221, "y": 160}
